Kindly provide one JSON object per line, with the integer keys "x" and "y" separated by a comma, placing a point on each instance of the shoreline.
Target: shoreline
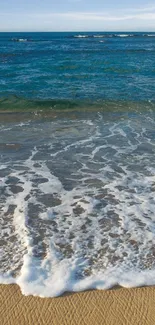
{"x": 117, "y": 306}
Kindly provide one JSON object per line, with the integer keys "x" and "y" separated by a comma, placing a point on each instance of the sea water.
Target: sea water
{"x": 77, "y": 161}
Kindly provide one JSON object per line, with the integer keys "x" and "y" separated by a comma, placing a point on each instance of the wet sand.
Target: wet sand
{"x": 112, "y": 307}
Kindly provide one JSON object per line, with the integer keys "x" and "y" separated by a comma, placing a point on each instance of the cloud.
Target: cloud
{"x": 144, "y": 9}
{"x": 96, "y": 16}
{"x": 133, "y": 19}
{"x": 142, "y": 13}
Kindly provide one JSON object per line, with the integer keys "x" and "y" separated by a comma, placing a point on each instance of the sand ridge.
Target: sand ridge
{"x": 112, "y": 307}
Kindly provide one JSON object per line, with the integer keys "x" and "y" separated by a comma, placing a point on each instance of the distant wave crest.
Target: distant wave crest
{"x": 112, "y": 35}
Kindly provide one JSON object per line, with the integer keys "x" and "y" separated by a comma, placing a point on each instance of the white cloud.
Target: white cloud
{"x": 133, "y": 19}
{"x": 96, "y": 16}
{"x": 144, "y": 9}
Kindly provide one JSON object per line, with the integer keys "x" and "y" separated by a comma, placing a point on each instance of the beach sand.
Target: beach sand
{"x": 112, "y": 307}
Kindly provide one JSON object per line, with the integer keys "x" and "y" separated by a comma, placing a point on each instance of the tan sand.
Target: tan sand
{"x": 112, "y": 307}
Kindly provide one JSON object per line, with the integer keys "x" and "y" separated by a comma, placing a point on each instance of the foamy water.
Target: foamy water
{"x": 77, "y": 202}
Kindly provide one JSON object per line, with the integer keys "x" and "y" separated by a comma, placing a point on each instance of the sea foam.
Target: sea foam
{"x": 78, "y": 204}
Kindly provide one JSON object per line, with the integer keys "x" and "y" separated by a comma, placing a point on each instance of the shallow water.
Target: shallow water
{"x": 77, "y": 200}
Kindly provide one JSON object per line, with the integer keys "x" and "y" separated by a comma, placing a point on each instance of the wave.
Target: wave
{"x": 78, "y": 202}
{"x": 20, "y": 40}
{"x": 112, "y": 35}
{"x": 124, "y": 35}
{"x": 15, "y": 103}
{"x": 80, "y": 36}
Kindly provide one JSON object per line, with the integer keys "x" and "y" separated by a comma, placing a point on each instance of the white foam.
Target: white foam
{"x": 98, "y": 36}
{"x": 123, "y": 35}
{"x": 81, "y": 36}
{"x": 7, "y": 278}
{"x": 99, "y": 231}
{"x": 22, "y": 40}
{"x": 51, "y": 278}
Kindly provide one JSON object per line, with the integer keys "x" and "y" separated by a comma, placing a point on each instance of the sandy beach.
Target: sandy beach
{"x": 118, "y": 306}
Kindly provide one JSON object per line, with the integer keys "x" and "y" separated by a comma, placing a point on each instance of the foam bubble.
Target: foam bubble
{"x": 78, "y": 205}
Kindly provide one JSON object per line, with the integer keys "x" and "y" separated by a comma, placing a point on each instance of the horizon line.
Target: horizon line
{"x": 78, "y": 31}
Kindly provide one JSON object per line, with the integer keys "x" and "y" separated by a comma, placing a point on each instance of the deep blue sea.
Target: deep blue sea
{"x": 77, "y": 160}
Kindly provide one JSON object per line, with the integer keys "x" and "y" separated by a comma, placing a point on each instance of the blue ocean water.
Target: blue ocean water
{"x": 78, "y": 66}
{"x": 77, "y": 161}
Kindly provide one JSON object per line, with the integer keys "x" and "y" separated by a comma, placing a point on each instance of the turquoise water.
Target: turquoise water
{"x": 77, "y": 161}
{"x": 72, "y": 66}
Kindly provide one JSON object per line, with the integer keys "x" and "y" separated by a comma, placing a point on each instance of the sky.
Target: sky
{"x": 77, "y": 15}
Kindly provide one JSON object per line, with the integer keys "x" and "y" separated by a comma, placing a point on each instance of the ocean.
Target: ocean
{"x": 77, "y": 161}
